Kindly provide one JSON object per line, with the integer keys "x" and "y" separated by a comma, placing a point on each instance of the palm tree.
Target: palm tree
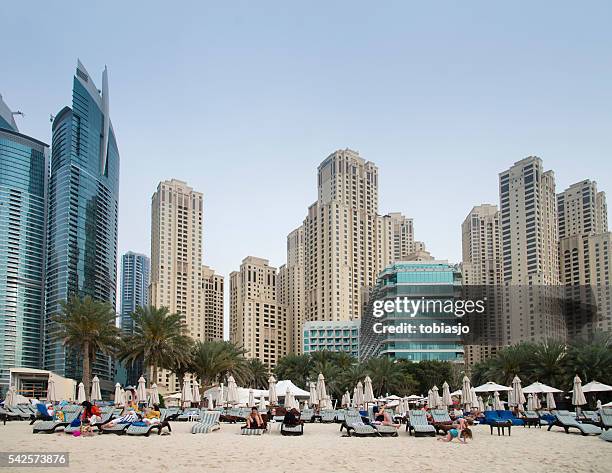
{"x": 160, "y": 339}
{"x": 296, "y": 368}
{"x": 548, "y": 363}
{"x": 387, "y": 376}
{"x": 591, "y": 360}
{"x": 257, "y": 374}
{"x": 349, "y": 378}
{"x": 214, "y": 360}
{"x": 87, "y": 326}
{"x": 510, "y": 362}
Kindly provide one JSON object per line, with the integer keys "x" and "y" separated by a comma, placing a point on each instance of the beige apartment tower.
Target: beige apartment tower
{"x": 530, "y": 254}
{"x": 212, "y": 289}
{"x": 290, "y": 289}
{"x": 258, "y": 322}
{"x": 584, "y": 245}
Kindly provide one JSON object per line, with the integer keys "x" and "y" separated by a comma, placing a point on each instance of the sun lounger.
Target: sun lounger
{"x": 307, "y": 415}
{"x": 606, "y": 418}
{"x": 386, "y": 430}
{"x": 569, "y": 422}
{"x": 6, "y": 414}
{"x": 328, "y": 416}
{"x": 292, "y": 430}
{"x": 531, "y": 418}
{"x": 607, "y": 436}
{"x": 137, "y": 429}
{"x": 441, "y": 420}
{"x": 106, "y": 417}
{"x": 340, "y": 415}
{"x": 192, "y": 414}
{"x": 49, "y": 426}
{"x": 417, "y": 423}
{"x": 16, "y": 410}
{"x": 353, "y": 423}
{"x": 209, "y": 422}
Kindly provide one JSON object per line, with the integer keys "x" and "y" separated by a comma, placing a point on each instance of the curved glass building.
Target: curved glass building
{"x": 23, "y": 196}
{"x": 436, "y": 282}
{"x": 82, "y": 215}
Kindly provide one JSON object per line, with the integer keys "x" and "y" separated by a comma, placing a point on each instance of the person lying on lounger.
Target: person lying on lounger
{"x": 128, "y": 416}
{"x": 254, "y": 420}
{"x": 383, "y": 417}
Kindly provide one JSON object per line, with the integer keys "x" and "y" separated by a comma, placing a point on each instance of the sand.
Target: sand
{"x": 321, "y": 448}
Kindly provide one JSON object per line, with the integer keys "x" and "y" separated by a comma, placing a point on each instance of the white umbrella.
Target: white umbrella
{"x": 51, "y": 397}
{"x": 466, "y": 393}
{"x": 540, "y": 388}
{"x": 550, "y": 401}
{"x": 347, "y": 401}
{"x": 497, "y": 404}
{"x": 272, "y": 397}
{"x": 289, "y": 400}
{"x": 222, "y": 394}
{"x": 11, "y": 398}
{"x": 118, "y": 401}
{"x": 596, "y": 387}
{"x": 154, "y": 394}
{"x": 358, "y": 396}
{"x": 446, "y": 395}
{"x": 578, "y": 398}
{"x": 491, "y": 387}
{"x": 186, "y": 393}
{"x": 232, "y": 391}
{"x": 251, "y": 398}
{"x": 481, "y": 406}
{"x": 599, "y": 406}
{"x": 81, "y": 393}
{"x": 95, "y": 394}
{"x": 262, "y": 403}
{"x": 368, "y": 393}
{"x": 123, "y": 398}
{"x": 518, "y": 396}
{"x": 436, "y": 398}
{"x": 141, "y": 389}
{"x": 321, "y": 391}
{"x": 431, "y": 400}
{"x": 531, "y": 402}
{"x": 196, "y": 398}
{"x": 313, "y": 400}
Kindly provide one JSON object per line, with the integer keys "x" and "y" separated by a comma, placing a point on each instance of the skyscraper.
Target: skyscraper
{"x": 530, "y": 252}
{"x": 585, "y": 245}
{"x": 341, "y": 238}
{"x": 258, "y": 322}
{"x": 135, "y": 279}
{"x": 23, "y": 200}
{"x": 212, "y": 285}
{"x": 82, "y": 216}
{"x": 291, "y": 287}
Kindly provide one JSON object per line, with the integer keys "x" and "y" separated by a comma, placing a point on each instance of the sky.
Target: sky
{"x": 243, "y": 100}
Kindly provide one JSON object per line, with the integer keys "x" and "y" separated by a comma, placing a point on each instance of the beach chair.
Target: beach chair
{"x": 191, "y": 413}
{"x": 340, "y": 415}
{"x": 18, "y": 413}
{"x": 142, "y": 429}
{"x": 353, "y": 423}
{"x": 248, "y": 431}
{"x": 417, "y": 423}
{"x": 606, "y": 418}
{"x": 292, "y": 430}
{"x": 532, "y": 419}
{"x": 590, "y": 417}
{"x": 607, "y": 436}
{"x": 49, "y": 426}
{"x": 106, "y": 417}
{"x": 209, "y": 422}
{"x": 5, "y": 415}
{"x": 442, "y": 421}
{"x": 328, "y": 416}
{"x": 569, "y": 422}
{"x": 307, "y": 415}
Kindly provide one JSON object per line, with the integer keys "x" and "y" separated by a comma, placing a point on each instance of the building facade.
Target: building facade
{"x": 258, "y": 322}
{"x": 435, "y": 281}
{"x": 24, "y": 163}
{"x": 82, "y": 217}
{"x": 337, "y": 336}
{"x": 135, "y": 280}
{"x": 584, "y": 252}
{"x": 212, "y": 288}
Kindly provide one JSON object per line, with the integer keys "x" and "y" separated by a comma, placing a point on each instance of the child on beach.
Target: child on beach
{"x": 459, "y": 431}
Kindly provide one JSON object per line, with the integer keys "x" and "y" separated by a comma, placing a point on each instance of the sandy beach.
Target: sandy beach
{"x": 321, "y": 448}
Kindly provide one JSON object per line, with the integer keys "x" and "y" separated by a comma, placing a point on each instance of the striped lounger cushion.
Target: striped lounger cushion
{"x": 364, "y": 429}
{"x": 252, "y": 431}
{"x": 138, "y": 429}
{"x": 202, "y": 428}
{"x": 386, "y": 429}
{"x": 45, "y": 425}
{"x": 115, "y": 428}
{"x": 424, "y": 428}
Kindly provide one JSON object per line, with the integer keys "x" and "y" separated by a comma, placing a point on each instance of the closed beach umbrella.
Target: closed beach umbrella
{"x": 446, "y": 395}
{"x": 154, "y": 394}
{"x": 497, "y": 404}
{"x": 481, "y": 406}
{"x": 272, "y": 397}
{"x": 578, "y": 398}
{"x": 232, "y": 391}
{"x": 518, "y": 396}
{"x": 289, "y": 400}
{"x": 51, "y": 397}
{"x": 321, "y": 391}
{"x": 118, "y": 399}
{"x": 550, "y": 401}
{"x": 531, "y": 405}
{"x": 262, "y": 403}
{"x": 186, "y": 393}
{"x": 368, "y": 393}
{"x": 81, "y": 393}
{"x": 348, "y": 399}
{"x": 141, "y": 390}
{"x": 466, "y": 393}
{"x": 197, "y": 398}
{"x": 312, "y": 399}
{"x": 431, "y": 400}
{"x": 222, "y": 394}
{"x": 96, "y": 395}
{"x": 123, "y": 398}
{"x": 358, "y": 397}
{"x": 11, "y": 398}
{"x": 251, "y": 398}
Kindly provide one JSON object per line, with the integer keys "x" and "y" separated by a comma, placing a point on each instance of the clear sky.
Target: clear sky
{"x": 244, "y": 100}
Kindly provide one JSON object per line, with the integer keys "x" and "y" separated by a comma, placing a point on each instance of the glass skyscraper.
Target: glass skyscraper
{"x": 82, "y": 215}
{"x": 435, "y": 281}
{"x": 135, "y": 278}
{"x": 23, "y": 194}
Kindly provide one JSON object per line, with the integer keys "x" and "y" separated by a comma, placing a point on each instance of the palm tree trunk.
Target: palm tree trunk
{"x": 154, "y": 380}
{"x": 86, "y": 370}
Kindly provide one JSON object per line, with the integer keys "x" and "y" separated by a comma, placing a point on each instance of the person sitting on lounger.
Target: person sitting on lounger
{"x": 384, "y": 418}
{"x": 254, "y": 420}
{"x": 152, "y": 415}
{"x": 292, "y": 417}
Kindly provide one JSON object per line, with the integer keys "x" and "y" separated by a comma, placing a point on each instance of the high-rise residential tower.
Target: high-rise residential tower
{"x": 341, "y": 240}
{"x": 291, "y": 287}
{"x": 585, "y": 245}
{"x": 135, "y": 279}
{"x": 530, "y": 253}
{"x": 82, "y": 216}
{"x": 24, "y": 163}
{"x": 212, "y": 287}
{"x": 258, "y": 322}
{"x": 176, "y": 259}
